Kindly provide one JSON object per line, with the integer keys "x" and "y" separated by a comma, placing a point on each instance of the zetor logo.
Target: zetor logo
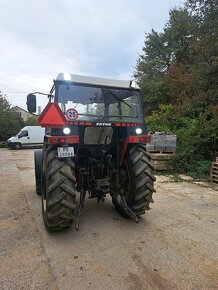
{"x": 103, "y": 124}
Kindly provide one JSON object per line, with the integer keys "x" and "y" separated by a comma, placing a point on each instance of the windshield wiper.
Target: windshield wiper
{"x": 120, "y": 116}
{"x": 91, "y": 115}
{"x": 119, "y": 98}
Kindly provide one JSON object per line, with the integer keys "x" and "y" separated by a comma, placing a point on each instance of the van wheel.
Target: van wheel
{"x": 17, "y": 146}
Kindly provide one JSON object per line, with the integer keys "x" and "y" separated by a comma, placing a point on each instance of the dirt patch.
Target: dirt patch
{"x": 145, "y": 277}
{"x": 23, "y": 263}
{"x": 174, "y": 246}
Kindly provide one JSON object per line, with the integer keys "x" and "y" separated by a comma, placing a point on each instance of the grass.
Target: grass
{"x": 176, "y": 177}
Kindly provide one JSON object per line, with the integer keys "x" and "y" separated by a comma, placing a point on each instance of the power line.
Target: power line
{"x": 14, "y": 92}
{"x": 6, "y": 92}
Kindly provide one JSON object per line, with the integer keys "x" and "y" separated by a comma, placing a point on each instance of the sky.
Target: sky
{"x": 41, "y": 38}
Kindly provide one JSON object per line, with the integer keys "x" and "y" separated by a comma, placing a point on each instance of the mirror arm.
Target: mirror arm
{"x": 31, "y": 100}
{"x": 39, "y": 93}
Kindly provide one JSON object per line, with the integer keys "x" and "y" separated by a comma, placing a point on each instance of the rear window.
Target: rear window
{"x": 100, "y": 104}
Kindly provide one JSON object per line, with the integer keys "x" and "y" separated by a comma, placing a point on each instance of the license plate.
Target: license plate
{"x": 64, "y": 152}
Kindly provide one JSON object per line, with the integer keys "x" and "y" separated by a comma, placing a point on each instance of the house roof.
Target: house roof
{"x": 17, "y": 107}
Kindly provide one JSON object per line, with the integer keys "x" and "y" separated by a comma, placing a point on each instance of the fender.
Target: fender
{"x": 132, "y": 140}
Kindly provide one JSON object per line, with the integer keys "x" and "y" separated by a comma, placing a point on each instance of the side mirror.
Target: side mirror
{"x": 31, "y": 103}
{"x": 19, "y": 136}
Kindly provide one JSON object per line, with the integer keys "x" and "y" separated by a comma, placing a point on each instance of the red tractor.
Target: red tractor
{"x": 94, "y": 144}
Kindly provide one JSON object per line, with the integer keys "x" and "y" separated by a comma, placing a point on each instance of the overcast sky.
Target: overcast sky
{"x": 40, "y": 38}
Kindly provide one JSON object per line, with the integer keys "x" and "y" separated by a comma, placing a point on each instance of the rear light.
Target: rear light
{"x": 139, "y": 139}
{"x": 52, "y": 140}
{"x": 133, "y": 139}
{"x": 61, "y": 140}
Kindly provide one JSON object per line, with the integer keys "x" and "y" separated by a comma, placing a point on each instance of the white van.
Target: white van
{"x": 28, "y": 136}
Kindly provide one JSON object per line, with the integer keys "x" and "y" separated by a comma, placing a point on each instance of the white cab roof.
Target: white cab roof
{"x": 96, "y": 81}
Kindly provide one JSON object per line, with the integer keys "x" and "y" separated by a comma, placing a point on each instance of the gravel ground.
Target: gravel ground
{"x": 23, "y": 263}
{"x": 174, "y": 246}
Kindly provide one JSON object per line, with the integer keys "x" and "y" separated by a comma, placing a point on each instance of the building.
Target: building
{"x": 23, "y": 113}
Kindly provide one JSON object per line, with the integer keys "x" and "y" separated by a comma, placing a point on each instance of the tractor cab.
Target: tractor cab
{"x": 97, "y": 102}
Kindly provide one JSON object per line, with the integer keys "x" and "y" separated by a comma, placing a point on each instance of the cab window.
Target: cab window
{"x": 23, "y": 134}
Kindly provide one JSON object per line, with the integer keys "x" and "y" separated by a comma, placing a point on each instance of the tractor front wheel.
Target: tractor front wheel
{"x": 59, "y": 197}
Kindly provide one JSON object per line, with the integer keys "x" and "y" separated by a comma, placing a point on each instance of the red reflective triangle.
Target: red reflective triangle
{"x": 52, "y": 117}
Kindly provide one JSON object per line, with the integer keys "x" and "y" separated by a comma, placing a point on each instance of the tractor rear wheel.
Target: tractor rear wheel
{"x": 59, "y": 198}
{"x": 137, "y": 180}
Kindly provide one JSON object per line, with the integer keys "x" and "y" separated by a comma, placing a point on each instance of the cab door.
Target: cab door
{"x": 24, "y": 137}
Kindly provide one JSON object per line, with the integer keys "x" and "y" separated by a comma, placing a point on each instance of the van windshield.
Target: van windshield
{"x": 100, "y": 104}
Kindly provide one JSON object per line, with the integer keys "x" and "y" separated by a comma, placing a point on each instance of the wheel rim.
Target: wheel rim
{"x": 17, "y": 146}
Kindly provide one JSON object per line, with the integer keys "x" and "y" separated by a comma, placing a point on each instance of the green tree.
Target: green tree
{"x": 160, "y": 52}
{"x": 178, "y": 74}
{"x": 10, "y": 121}
{"x": 4, "y": 104}
{"x": 31, "y": 121}
{"x": 150, "y": 69}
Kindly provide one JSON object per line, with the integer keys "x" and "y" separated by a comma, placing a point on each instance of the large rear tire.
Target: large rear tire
{"x": 137, "y": 180}
{"x": 59, "y": 198}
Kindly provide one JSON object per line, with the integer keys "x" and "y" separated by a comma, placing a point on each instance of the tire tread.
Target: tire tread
{"x": 60, "y": 191}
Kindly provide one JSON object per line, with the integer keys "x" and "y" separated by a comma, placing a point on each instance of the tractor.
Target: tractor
{"x": 94, "y": 144}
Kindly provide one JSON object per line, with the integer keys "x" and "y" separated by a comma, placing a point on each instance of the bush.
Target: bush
{"x": 197, "y": 139}
{"x": 10, "y": 124}
{"x": 10, "y": 121}
{"x": 200, "y": 169}
{"x": 31, "y": 121}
